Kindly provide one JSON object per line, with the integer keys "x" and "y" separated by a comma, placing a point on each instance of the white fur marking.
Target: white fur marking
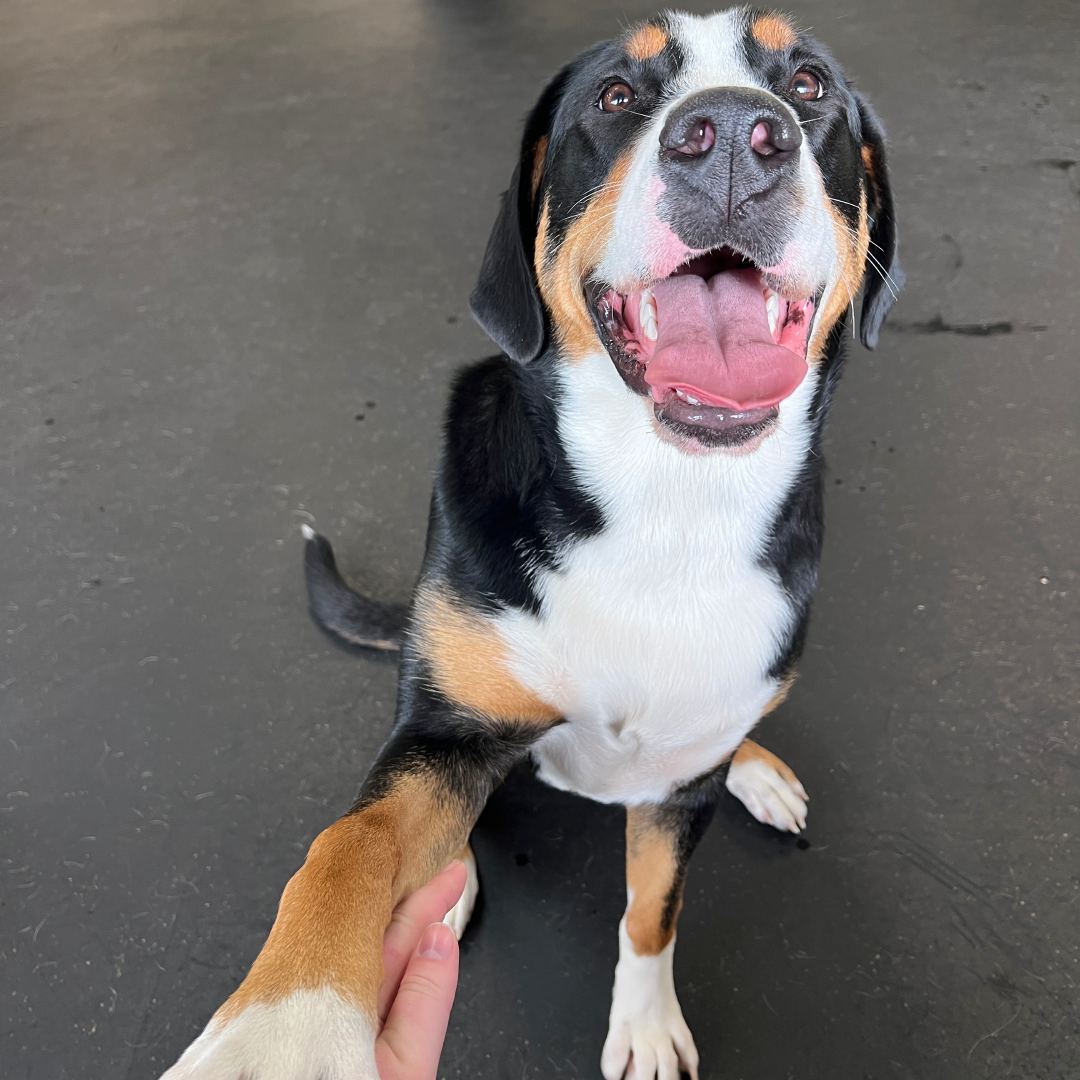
{"x": 713, "y": 59}
{"x": 646, "y": 1022}
{"x": 309, "y": 1035}
{"x": 656, "y": 636}
{"x": 712, "y": 45}
{"x": 768, "y": 796}
{"x": 457, "y": 918}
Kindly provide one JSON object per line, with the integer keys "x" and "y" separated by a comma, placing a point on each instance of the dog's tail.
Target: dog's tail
{"x": 339, "y": 609}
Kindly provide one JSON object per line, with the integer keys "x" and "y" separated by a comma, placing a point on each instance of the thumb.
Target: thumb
{"x": 412, "y": 1038}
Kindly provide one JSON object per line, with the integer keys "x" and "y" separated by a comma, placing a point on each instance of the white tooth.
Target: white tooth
{"x": 772, "y": 306}
{"x": 692, "y": 400}
{"x": 647, "y": 313}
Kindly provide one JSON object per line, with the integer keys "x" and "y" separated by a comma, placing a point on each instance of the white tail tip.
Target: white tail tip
{"x": 307, "y": 531}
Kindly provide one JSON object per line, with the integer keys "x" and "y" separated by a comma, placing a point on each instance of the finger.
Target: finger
{"x": 426, "y": 905}
{"x": 412, "y": 1038}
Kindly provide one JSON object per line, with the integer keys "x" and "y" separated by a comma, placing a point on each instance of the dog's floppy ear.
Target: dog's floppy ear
{"x": 883, "y": 281}
{"x": 506, "y": 301}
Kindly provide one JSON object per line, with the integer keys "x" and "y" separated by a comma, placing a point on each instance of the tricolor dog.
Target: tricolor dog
{"x": 627, "y": 517}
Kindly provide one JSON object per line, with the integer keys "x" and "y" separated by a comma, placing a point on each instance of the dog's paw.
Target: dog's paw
{"x": 767, "y": 788}
{"x": 650, "y": 1048}
{"x": 647, "y": 1036}
{"x": 309, "y": 1035}
{"x": 457, "y": 918}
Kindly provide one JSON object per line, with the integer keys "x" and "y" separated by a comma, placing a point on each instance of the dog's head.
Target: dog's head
{"x": 702, "y": 199}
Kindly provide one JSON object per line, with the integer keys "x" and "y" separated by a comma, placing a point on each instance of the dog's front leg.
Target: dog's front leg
{"x": 646, "y": 1024}
{"x": 308, "y": 1007}
{"x": 767, "y": 787}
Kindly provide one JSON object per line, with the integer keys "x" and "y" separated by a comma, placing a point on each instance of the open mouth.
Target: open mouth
{"x": 713, "y": 345}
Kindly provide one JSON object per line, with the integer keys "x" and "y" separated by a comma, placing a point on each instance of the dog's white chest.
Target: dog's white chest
{"x": 660, "y": 672}
{"x": 657, "y": 636}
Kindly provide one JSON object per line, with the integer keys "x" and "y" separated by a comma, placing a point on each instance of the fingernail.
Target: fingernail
{"x": 435, "y": 944}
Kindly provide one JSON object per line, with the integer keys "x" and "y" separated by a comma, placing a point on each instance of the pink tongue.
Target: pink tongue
{"x": 713, "y": 340}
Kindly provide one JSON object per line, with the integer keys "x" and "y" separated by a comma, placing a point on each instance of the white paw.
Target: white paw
{"x": 457, "y": 918}
{"x": 647, "y": 1036}
{"x": 769, "y": 790}
{"x": 309, "y": 1035}
{"x": 650, "y": 1050}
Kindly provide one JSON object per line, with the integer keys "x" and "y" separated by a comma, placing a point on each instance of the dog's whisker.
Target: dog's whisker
{"x": 601, "y": 189}
{"x": 874, "y": 263}
{"x": 873, "y": 260}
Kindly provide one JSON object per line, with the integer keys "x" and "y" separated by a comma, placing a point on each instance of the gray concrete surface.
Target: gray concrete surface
{"x": 236, "y": 245}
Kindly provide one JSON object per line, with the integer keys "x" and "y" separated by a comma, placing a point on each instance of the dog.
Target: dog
{"x": 626, "y": 522}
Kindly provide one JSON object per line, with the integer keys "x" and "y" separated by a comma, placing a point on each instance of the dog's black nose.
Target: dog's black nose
{"x": 734, "y": 141}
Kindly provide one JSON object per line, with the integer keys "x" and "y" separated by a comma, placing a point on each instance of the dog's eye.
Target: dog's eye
{"x": 616, "y": 97}
{"x": 806, "y": 86}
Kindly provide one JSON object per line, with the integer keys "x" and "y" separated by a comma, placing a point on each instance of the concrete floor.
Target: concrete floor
{"x": 236, "y": 242}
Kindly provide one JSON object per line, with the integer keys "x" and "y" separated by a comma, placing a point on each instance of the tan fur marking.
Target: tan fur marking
{"x": 781, "y": 694}
{"x": 651, "y": 872}
{"x": 867, "y": 155}
{"x": 773, "y": 31}
{"x": 335, "y": 908}
{"x": 751, "y": 751}
{"x": 562, "y": 274}
{"x": 540, "y": 253}
{"x": 539, "y": 153}
{"x": 469, "y": 663}
{"x": 851, "y": 247}
{"x": 647, "y": 41}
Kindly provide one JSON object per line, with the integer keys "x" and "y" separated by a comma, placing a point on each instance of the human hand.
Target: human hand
{"x": 420, "y": 971}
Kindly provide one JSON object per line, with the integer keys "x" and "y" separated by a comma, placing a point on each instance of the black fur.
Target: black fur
{"x": 505, "y": 301}
{"x": 466, "y": 759}
{"x": 794, "y": 552}
{"x": 343, "y": 612}
{"x": 505, "y": 496}
{"x": 884, "y": 277}
{"x": 505, "y": 500}
{"x": 684, "y": 816}
{"x": 798, "y": 533}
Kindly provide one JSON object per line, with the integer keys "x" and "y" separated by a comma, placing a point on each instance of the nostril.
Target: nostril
{"x": 697, "y": 138}
{"x": 761, "y": 140}
{"x": 770, "y": 137}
